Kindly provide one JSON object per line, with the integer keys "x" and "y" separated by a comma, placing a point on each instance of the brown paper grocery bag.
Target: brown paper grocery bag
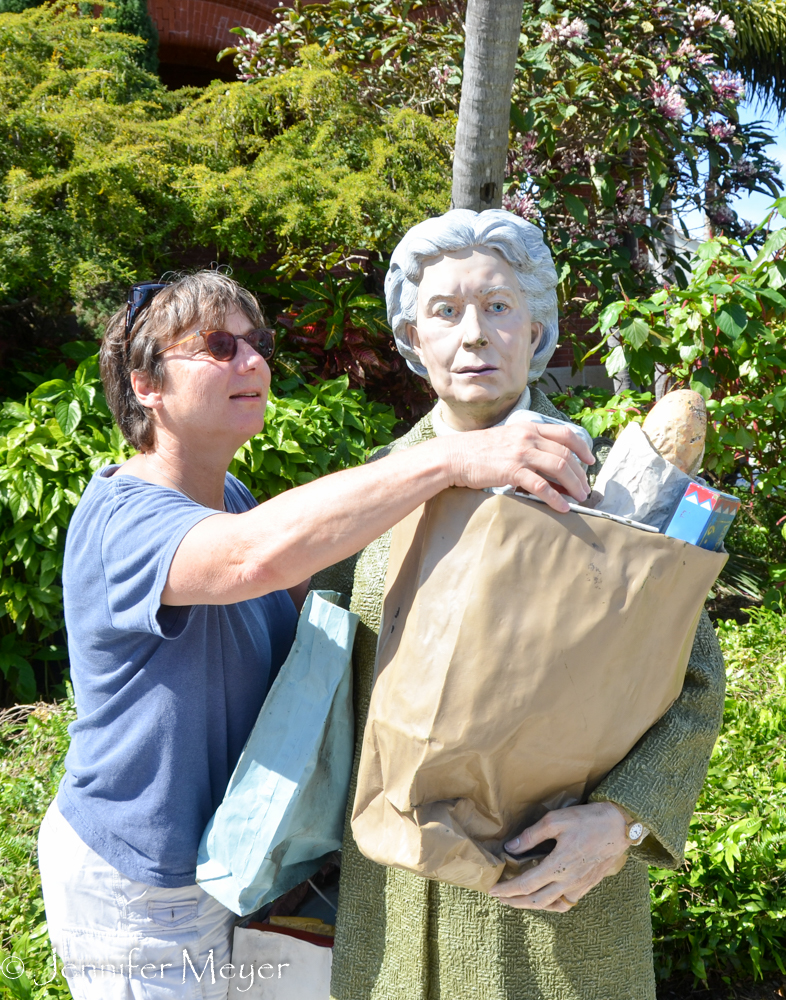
{"x": 522, "y": 653}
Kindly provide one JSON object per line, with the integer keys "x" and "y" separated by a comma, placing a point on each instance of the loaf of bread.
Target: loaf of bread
{"x": 677, "y": 427}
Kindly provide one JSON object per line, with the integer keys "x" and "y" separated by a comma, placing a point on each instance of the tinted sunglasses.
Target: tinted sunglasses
{"x": 139, "y": 296}
{"x": 223, "y": 346}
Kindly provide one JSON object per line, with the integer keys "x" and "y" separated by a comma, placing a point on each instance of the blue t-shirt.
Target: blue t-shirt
{"x": 166, "y": 696}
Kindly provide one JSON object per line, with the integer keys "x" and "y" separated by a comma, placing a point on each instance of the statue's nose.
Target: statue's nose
{"x": 473, "y": 334}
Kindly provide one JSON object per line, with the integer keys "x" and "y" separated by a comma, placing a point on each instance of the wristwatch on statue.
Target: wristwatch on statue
{"x": 636, "y": 832}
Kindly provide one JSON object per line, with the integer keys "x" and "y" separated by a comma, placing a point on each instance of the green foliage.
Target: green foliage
{"x": 310, "y": 432}
{"x": 624, "y": 118}
{"x": 105, "y": 176}
{"x": 402, "y": 53}
{"x": 16, "y": 6}
{"x": 722, "y": 335}
{"x": 603, "y": 413}
{"x": 621, "y": 117}
{"x": 724, "y": 912}
{"x": 334, "y": 327}
{"x": 131, "y": 17}
{"x": 31, "y": 765}
{"x": 51, "y": 444}
{"x": 49, "y": 447}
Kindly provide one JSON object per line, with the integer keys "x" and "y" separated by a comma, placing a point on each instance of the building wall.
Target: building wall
{"x": 193, "y": 32}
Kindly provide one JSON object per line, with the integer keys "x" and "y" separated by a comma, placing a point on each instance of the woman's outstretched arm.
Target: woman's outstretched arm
{"x": 228, "y": 558}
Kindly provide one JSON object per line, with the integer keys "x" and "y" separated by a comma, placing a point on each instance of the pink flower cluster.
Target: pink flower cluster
{"x": 720, "y": 215}
{"x": 746, "y": 169}
{"x": 721, "y": 131}
{"x": 572, "y": 33}
{"x": 668, "y": 100}
{"x": 439, "y": 76}
{"x": 687, "y": 50}
{"x": 702, "y": 17}
{"x": 727, "y": 86}
{"x": 521, "y": 203}
{"x": 523, "y": 160}
{"x": 250, "y": 66}
{"x": 629, "y": 207}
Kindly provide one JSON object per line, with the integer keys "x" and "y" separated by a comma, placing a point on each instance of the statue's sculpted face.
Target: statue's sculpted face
{"x": 474, "y": 335}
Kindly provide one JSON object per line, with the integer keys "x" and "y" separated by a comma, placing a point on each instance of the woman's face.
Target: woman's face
{"x": 474, "y": 335}
{"x": 214, "y": 404}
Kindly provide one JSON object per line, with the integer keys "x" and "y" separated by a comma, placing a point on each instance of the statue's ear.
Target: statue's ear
{"x": 414, "y": 339}
{"x": 537, "y": 335}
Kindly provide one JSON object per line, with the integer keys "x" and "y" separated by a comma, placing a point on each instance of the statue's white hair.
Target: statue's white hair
{"x": 519, "y": 242}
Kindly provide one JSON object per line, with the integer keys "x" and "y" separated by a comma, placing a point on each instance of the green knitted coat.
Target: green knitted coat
{"x": 402, "y": 937}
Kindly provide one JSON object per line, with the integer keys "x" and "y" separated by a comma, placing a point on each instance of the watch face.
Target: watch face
{"x": 635, "y": 831}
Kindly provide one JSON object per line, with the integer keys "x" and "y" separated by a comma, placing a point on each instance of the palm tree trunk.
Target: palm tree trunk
{"x": 492, "y": 40}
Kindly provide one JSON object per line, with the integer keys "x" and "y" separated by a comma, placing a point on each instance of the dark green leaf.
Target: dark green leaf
{"x": 703, "y": 381}
{"x": 610, "y": 315}
{"x": 577, "y": 208}
{"x": 522, "y": 120}
{"x": 635, "y": 331}
{"x": 49, "y": 391}
{"x": 68, "y": 414}
{"x": 616, "y": 361}
{"x": 335, "y": 328}
{"x": 311, "y": 312}
{"x": 732, "y": 319}
{"x": 365, "y": 302}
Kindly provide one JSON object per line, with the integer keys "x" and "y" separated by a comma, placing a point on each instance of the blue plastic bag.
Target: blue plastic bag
{"x": 283, "y": 811}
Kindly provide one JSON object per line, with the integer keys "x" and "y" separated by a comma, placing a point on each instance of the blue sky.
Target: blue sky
{"x": 752, "y": 206}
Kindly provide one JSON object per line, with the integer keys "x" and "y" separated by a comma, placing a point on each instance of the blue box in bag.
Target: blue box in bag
{"x": 703, "y": 516}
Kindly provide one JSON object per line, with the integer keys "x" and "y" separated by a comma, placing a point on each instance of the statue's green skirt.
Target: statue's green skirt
{"x": 401, "y": 937}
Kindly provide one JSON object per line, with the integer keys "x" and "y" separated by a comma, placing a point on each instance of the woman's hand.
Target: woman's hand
{"x": 523, "y": 455}
{"x": 591, "y": 844}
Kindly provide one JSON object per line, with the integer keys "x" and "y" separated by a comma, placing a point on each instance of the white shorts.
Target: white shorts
{"x": 124, "y": 940}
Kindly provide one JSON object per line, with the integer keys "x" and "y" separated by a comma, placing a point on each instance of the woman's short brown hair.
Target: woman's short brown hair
{"x": 205, "y": 299}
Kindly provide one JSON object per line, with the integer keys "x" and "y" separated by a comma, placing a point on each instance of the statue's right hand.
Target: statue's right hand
{"x": 523, "y": 455}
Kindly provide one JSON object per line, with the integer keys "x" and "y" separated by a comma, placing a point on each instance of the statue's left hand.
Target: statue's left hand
{"x": 591, "y": 844}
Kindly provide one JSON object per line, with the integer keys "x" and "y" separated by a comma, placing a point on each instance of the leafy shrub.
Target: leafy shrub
{"x": 31, "y": 765}
{"x": 403, "y": 53}
{"x": 721, "y": 334}
{"x": 130, "y": 17}
{"x": 724, "y": 912}
{"x": 49, "y": 446}
{"x": 332, "y": 326}
{"x": 52, "y": 443}
{"x": 106, "y": 177}
{"x": 620, "y": 100}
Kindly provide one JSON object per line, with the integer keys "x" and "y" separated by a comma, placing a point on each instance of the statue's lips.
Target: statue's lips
{"x": 483, "y": 370}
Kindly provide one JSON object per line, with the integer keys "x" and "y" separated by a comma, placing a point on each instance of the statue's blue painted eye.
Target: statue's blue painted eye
{"x": 447, "y": 310}
{"x": 498, "y": 307}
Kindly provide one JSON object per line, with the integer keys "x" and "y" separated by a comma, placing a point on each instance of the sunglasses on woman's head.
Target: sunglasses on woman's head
{"x": 223, "y": 346}
{"x": 140, "y": 296}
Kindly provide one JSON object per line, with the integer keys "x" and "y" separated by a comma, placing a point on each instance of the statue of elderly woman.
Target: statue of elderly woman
{"x": 472, "y": 303}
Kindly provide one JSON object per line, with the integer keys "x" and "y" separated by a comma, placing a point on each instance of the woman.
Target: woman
{"x": 179, "y": 595}
{"x": 471, "y": 299}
